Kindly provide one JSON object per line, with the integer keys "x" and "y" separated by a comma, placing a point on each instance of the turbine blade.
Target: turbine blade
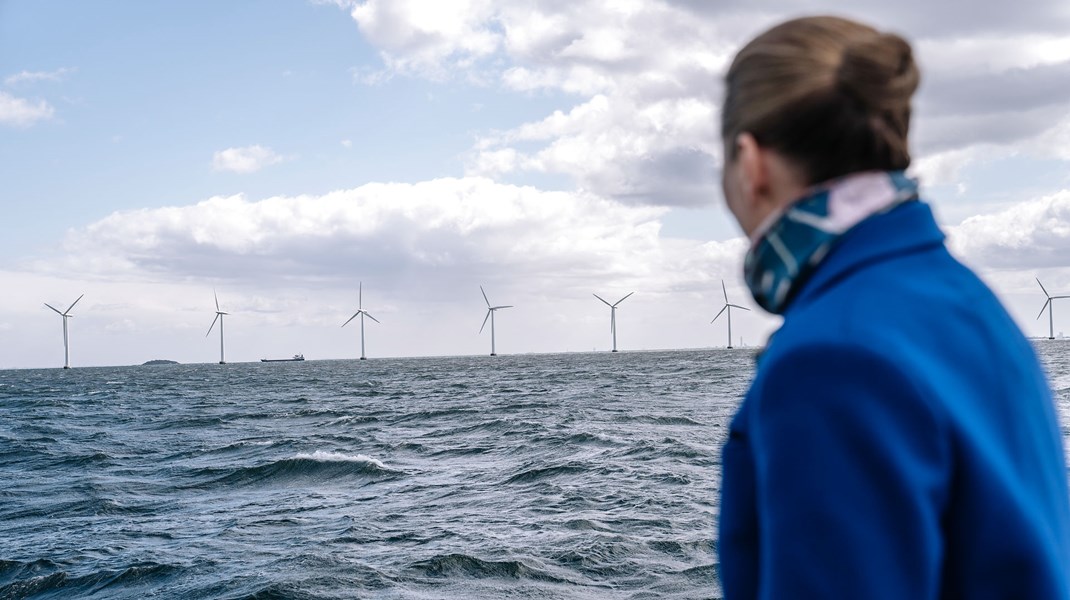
{"x": 725, "y": 291}
{"x": 505, "y": 306}
{"x": 1041, "y": 313}
{"x": 216, "y": 296}
{"x": 624, "y": 298}
{"x": 484, "y": 321}
{"x": 55, "y": 309}
{"x": 738, "y": 306}
{"x": 360, "y": 295}
{"x": 72, "y": 304}
{"x": 1057, "y": 297}
{"x": 351, "y": 318}
{"x": 603, "y": 300}
{"x": 1042, "y": 287}
{"x": 723, "y": 308}
{"x": 484, "y": 296}
{"x": 372, "y": 318}
{"x": 212, "y": 325}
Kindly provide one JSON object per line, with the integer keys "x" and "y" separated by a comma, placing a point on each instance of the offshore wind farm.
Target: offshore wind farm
{"x": 489, "y": 318}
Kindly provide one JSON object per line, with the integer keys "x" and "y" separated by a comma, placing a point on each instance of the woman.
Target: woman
{"x": 899, "y": 439}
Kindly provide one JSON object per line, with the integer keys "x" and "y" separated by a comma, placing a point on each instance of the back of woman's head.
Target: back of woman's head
{"x": 830, "y": 94}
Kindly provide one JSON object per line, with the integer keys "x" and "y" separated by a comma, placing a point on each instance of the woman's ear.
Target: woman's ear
{"x": 753, "y": 172}
{"x": 761, "y": 182}
{"x": 746, "y": 182}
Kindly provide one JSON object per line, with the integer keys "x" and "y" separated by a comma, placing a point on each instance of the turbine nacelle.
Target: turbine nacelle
{"x": 66, "y": 313}
{"x": 491, "y": 309}
{"x": 218, "y": 317}
{"x": 360, "y": 307}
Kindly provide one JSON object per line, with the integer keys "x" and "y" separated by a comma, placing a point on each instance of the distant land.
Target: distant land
{"x": 160, "y": 362}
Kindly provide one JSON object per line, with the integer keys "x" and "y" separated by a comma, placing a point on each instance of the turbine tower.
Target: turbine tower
{"x": 218, "y": 317}
{"x": 728, "y": 307}
{"x": 490, "y": 315}
{"x": 362, "y": 313}
{"x": 66, "y": 346}
{"x": 613, "y": 316}
{"x": 1048, "y": 304}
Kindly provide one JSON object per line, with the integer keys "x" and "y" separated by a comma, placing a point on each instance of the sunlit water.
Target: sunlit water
{"x": 546, "y": 476}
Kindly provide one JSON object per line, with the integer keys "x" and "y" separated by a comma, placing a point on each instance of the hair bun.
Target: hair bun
{"x": 830, "y": 94}
{"x": 879, "y": 72}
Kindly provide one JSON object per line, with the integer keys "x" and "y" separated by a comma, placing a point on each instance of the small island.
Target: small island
{"x": 159, "y": 362}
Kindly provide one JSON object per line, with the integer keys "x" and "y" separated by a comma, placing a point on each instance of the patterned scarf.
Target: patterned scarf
{"x": 788, "y": 248}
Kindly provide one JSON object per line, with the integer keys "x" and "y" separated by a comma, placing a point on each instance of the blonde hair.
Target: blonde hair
{"x": 830, "y": 94}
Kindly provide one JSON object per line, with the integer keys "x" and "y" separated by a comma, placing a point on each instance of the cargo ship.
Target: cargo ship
{"x": 296, "y": 358}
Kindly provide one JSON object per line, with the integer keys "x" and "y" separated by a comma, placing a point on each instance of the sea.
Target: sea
{"x": 531, "y": 476}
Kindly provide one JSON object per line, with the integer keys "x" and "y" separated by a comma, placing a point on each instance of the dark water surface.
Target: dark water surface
{"x": 543, "y": 476}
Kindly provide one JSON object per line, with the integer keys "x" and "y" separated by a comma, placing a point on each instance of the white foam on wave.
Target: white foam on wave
{"x": 322, "y": 456}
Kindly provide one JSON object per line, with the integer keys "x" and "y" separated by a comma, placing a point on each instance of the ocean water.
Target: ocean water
{"x": 537, "y": 476}
{"x": 543, "y": 476}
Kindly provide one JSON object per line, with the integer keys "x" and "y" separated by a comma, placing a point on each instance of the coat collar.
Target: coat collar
{"x": 908, "y": 228}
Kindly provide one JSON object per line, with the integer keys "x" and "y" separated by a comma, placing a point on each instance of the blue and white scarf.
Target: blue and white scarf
{"x": 785, "y": 251}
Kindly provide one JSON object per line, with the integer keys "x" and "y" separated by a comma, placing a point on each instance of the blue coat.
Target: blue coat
{"x": 899, "y": 439}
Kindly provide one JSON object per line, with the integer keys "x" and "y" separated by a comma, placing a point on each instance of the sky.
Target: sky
{"x": 283, "y": 154}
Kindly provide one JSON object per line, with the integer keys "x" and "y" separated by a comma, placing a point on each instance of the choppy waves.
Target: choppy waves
{"x": 554, "y": 476}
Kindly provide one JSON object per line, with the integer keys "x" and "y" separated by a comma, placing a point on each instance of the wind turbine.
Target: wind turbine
{"x": 728, "y": 307}
{"x": 218, "y": 317}
{"x": 66, "y": 315}
{"x": 613, "y": 316}
{"x": 362, "y": 313}
{"x": 490, "y": 315}
{"x": 1048, "y": 304}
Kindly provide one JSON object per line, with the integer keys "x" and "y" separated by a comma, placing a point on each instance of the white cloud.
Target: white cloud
{"x": 19, "y": 112}
{"x": 435, "y": 227}
{"x": 121, "y": 326}
{"x": 991, "y": 53}
{"x": 422, "y": 236}
{"x": 644, "y": 79}
{"x": 1028, "y": 235}
{"x": 35, "y": 76}
{"x": 347, "y": 143}
{"x": 1055, "y": 141}
{"x": 946, "y": 168}
{"x": 662, "y": 153}
{"x": 247, "y": 159}
{"x": 429, "y": 37}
